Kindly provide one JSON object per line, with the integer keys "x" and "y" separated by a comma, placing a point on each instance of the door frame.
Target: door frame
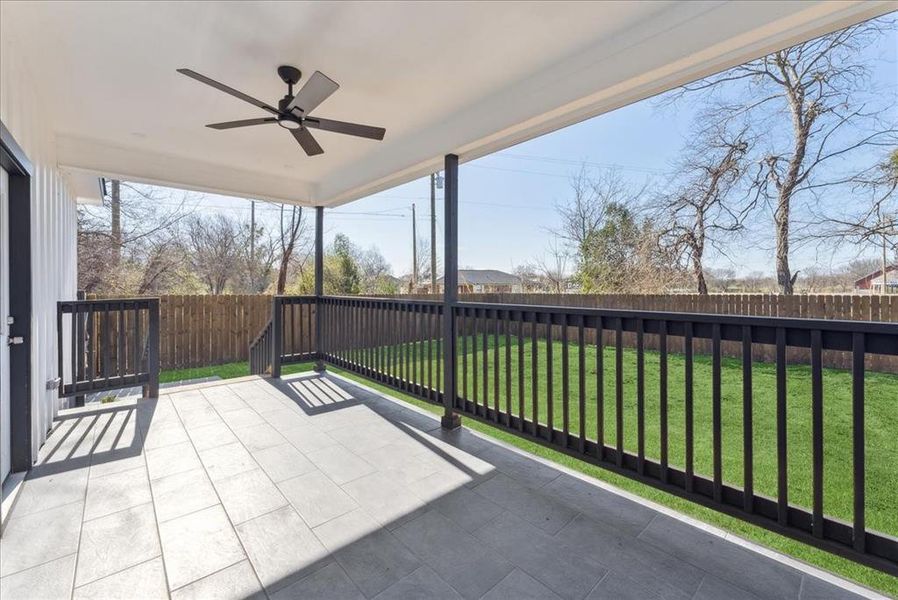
{"x": 20, "y": 170}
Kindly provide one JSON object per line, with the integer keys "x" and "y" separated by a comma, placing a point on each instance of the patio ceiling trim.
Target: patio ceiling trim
{"x": 88, "y": 156}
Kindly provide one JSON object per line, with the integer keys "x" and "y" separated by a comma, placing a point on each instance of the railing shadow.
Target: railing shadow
{"x": 94, "y": 437}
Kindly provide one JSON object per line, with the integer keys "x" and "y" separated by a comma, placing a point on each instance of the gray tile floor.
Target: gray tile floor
{"x": 312, "y": 487}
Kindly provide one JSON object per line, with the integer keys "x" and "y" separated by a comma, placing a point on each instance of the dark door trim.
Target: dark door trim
{"x": 19, "y": 168}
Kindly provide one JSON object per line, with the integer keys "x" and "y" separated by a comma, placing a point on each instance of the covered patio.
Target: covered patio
{"x": 316, "y": 487}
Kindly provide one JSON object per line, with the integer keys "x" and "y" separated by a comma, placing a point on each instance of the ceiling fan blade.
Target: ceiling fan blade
{"x": 308, "y": 143}
{"x": 243, "y": 123}
{"x": 228, "y": 90}
{"x": 314, "y": 92}
{"x": 365, "y": 131}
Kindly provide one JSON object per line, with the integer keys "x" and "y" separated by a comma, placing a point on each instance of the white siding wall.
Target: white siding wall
{"x": 53, "y": 242}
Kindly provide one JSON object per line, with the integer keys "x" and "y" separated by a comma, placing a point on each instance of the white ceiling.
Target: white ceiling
{"x": 443, "y": 77}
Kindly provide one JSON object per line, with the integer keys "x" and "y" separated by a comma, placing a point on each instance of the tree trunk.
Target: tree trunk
{"x": 784, "y": 277}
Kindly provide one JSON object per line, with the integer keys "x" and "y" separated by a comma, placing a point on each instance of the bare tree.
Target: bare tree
{"x": 872, "y": 218}
{"x": 291, "y": 231}
{"x": 701, "y": 210}
{"x": 552, "y": 267}
{"x": 128, "y": 244}
{"x": 214, "y": 244}
{"x": 822, "y": 90}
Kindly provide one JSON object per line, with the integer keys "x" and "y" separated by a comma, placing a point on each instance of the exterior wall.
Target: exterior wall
{"x": 53, "y": 235}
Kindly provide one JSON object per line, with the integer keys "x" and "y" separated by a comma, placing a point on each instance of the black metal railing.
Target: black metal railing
{"x": 112, "y": 344}
{"x": 261, "y": 352}
{"x": 396, "y": 342}
{"x": 583, "y": 382}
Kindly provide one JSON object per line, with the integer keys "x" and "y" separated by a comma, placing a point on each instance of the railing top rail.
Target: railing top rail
{"x": 142, "y": 302}
{"x": 391, "y": 300}
{"x": 807, "y": 324}
{"x": 261, "y": 334}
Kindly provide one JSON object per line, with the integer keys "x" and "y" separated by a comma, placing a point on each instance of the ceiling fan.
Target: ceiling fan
{"x": 293, "y": 112}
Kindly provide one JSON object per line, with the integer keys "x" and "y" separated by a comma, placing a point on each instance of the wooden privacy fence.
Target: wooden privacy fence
{"x": 201, "y": 330}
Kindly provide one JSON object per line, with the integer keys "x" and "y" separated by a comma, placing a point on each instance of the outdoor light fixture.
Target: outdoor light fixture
{"x": 288, "y": 123}
{"x": 439, "y": 181}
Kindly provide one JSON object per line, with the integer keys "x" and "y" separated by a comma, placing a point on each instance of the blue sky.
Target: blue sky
{"x": 507, "y": 200}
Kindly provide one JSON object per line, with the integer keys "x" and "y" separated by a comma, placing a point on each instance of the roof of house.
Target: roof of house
{"x": 485, "y": 277}
{"x": 876, "y": 273}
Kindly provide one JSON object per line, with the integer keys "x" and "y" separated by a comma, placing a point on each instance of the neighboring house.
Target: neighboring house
{"x": 873, "y": 281}
{"x": 485, "y": 281}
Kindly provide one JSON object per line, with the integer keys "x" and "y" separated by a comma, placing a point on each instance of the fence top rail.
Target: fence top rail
{"x": 67, "y": 306}
{"x": 384, "y": 300}
{"x": 806, "y": 324}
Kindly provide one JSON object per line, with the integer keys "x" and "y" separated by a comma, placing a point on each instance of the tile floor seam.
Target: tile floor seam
{"x": 146, "y": 466}
{"x": 46, "y": 562}
{"x": 115, "y": 512}
{"x": 216, "y": 572}
{"x": 122, "y": 570}
{"x": 80, "y": 535}
{"x": 217, "y": 495}
{"x": 16, "y": 517}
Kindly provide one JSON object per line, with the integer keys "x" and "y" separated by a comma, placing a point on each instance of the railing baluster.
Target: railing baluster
{"x": 486, "y": 363}
{"x": 463, "y": 329}
{"x": 474, "y": 353}
{"x": 716, "y": 417}
{"x": 496, "y": 370}
{"x": 550, "y": 395}
{"x": 120, "y": 347}
{"x": 662, "y": 396}
{"x": 619, "y": 389}
{"x": 565, "y": 384}
{"x": 91, "y": 342}
{"x": 781, "y": 430}
{"x": 521, "y": 415}
{"x": 817, "y": 430}
{"x": 600, "y": 389}
{"x": 508, "y": 411}
{"x": 640, "y": 397}
{"x": 105, "y": 340}
{"x": 581, "y": 383}
{"x": 688, "y": 406}
{"x": 413, "y": 313}
{"x": 857, "y": 436}
{"x": 534, "y": 374}
{"x": 747, "y": 422}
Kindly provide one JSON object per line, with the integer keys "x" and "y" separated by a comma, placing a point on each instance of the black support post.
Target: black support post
{"x": 319, "y": 285}
{"x": 450, "y": 419}
{"x": 152, "y": 388}
{"x": 277, "y": 335}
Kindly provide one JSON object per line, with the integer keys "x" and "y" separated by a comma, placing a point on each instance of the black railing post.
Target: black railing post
{"x": 277, "y": 335}
{"x": 319, "y": 286}
{"x": 78, "y": 331}
{"x": 152, "y": 388}
{"x": 450, "y": 419}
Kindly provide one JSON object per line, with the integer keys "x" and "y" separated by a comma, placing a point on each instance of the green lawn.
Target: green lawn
{"x": 226, "y": 371}
{"x": 881, "y": 433}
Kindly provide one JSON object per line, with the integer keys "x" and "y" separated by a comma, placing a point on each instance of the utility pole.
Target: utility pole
{"x": 414, "y": 252}
{"x": 252, "y": 245}
{"x": 115, "y": 198}
{"x": 433, "y": 233}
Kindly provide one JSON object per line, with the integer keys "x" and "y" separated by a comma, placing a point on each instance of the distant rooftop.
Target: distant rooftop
{"x": 484, "y": 277}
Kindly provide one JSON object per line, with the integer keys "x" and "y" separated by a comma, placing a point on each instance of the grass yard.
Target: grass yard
{"x": 226, "y": 371}
{"x": 881, "y": 433}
